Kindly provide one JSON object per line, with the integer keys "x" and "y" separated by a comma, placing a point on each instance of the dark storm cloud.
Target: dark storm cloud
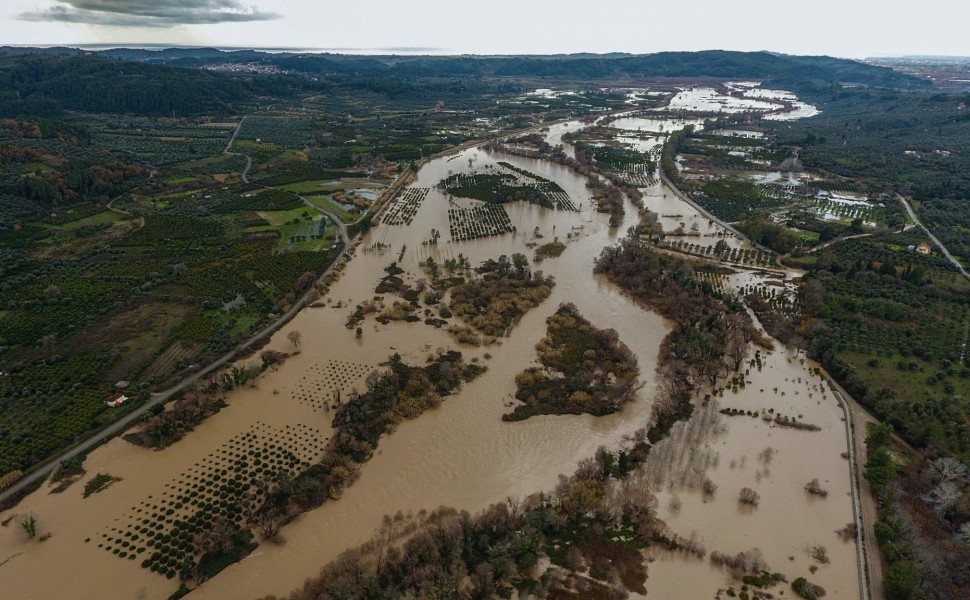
{"x": 150, "y": 13}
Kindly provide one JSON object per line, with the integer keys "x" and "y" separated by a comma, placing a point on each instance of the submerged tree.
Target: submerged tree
{"x": 29, "y": 525}
{"x": 749, "y": 497}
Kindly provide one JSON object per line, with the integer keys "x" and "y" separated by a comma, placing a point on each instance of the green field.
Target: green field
{"x": 300, "y": 229}
{"x": 912, "y": 377}
{"x": 331, "y": 206}
{"x": 312, "y": 187}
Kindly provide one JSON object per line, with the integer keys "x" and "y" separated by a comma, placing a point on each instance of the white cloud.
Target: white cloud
{"x": 148, "y": 13}
{"x": 833, "y": 27}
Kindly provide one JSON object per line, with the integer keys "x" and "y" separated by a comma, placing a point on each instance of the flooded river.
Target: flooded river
{"x": 461, "y": 454}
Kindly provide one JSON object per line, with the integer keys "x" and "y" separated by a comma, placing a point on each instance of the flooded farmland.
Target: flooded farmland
{"x": 462, "y": 454}
{"x": 777, "y": 462}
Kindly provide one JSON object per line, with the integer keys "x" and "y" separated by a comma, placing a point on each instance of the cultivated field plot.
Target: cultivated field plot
{"x": 560, "y": 199}
{"x": 715, "y": 280}
{"x": 481, "y": 221}
{"x": 328, "y": 383}
{"x": 229, "y": 484}
{"x": 552, "y": 190}
{"x": 406, "y": 207}
{"x": 508, "y": 184}
{"x": 618, "y": 159}
{"x": 218, "y": 163}
{"x": 733, "y": 200}
{"x": 298, "y": 229}
{"x": 160, "y": 141}
{"x": 741, "y": 256}
{"x": 288, "y": 131}
{"x": 630, "y": 157}
{"x": 845, "y": 208}
{"x": 641, "y": 175}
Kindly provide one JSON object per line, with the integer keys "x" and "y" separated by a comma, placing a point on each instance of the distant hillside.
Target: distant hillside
{"x": 763, "y": 66}
{"x": 793, "y": 71}
{"x": 44, "y": 84}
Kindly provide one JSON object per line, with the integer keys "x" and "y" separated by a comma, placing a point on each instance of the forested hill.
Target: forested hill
{"x": 791, "y": 71}
{"x": 45, "y": 84}
{"x": 763, "y": 66}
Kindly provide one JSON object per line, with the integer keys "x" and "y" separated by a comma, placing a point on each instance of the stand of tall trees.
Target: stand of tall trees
{"x": 710, "y": 333}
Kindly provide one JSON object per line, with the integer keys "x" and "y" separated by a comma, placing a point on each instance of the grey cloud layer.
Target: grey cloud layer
{"x": 157, "y": 13}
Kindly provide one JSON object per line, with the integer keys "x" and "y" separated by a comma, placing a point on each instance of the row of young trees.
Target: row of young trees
{"x": 607, "y": 187}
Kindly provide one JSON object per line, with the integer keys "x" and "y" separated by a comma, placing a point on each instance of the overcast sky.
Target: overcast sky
{"x": 852, "y": 28}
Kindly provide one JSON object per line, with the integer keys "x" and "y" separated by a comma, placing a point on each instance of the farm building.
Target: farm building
{"x": 924, "y": 248}
{"x": 115, "y": 400}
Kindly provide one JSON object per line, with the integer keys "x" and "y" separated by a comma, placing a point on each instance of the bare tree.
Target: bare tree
{"x": 752, "y": 561}
{"x": 944, "y": 496}
{"x": 683, "y": 457}
{"x": 749, "y": 497}
{"x": 483, "y": 580}
{"x": 949, "y": 468}
{"x": 294, "y": 337}
{"x": 848, "y": 533}
{"x": 819, "y": 554}
{"x": 372, "y": 379}
{"x": 269, "y": 528}
{"x": 815, "y": 488}
{"x": 215, "y": 539}
{"x": 748, "y": 561}
{"x": 738, "y": 336}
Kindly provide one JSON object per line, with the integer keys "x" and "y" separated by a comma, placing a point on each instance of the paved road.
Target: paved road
{"x": 912, "y": 215}
{"x": 228, "y": 150}
{"x": 235, "y": 132}
{"x": 245, "y": 172}
{"x": 837, "y": 240}
{"x": 158, "y": 398}
{"x": 670, "y": 184}
{"x": 864, "y": 508}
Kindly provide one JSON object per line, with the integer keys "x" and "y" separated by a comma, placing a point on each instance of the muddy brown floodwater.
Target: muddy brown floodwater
{"x": 461, "y": 454}
{"x": 788, "y": 521}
